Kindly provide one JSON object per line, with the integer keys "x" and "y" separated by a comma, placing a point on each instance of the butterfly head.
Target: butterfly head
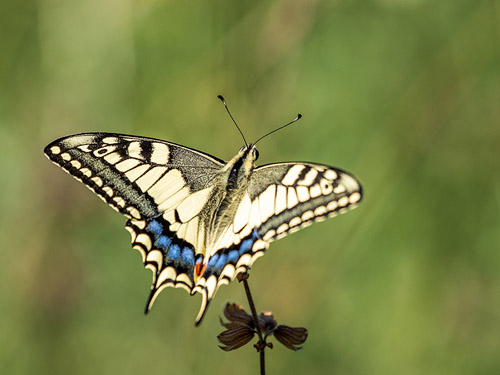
{"x": 249, "y": 152}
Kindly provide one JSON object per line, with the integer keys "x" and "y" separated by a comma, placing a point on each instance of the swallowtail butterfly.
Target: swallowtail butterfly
{"x": 196, "y": 220}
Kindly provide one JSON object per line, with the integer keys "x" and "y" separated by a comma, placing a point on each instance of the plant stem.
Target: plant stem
{"x": 261, "y": 345}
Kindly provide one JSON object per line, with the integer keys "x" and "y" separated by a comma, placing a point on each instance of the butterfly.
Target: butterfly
{"x": 197, "y": 220}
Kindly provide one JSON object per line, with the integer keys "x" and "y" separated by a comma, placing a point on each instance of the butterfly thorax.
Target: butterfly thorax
{"x": 234, "y": 177}
{"x": 239, "y": 168}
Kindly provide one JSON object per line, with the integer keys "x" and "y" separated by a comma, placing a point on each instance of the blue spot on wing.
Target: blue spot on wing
{"x": 155, "y": 227}
{"x": 222, "y": 261}
{"x": 246, "y": 245}
{"x": 255, "y": 235}
{"x": 213, "y": 260}
{"x": 164, "y": 241}
{"x": 174, "y": 252}
{"x": 187, "y": 256}
{"x": 233, "y": 255}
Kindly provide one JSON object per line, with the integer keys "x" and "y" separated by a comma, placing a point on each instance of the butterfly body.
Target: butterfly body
{"x": 196, "y": 220}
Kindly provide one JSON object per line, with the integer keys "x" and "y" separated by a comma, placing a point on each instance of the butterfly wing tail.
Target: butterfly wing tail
{"x": 205, "y": 302}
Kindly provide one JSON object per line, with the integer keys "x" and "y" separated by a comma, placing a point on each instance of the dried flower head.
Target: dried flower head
{"x": 291, "y": 337}
{"x": 241, "y": 329}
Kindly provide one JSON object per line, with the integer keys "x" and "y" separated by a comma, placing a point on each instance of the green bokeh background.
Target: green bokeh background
{"x": 403, "y": 93}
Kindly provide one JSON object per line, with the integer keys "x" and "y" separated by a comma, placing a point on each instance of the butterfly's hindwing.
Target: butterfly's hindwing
{"x": 171, "y": 260}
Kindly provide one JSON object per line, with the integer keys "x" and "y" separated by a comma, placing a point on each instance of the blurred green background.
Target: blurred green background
{"x": 403, "y": 93}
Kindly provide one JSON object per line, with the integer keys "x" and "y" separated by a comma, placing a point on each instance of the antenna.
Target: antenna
{"x": 230, "y": 115}
{"x": 281, "y": 127}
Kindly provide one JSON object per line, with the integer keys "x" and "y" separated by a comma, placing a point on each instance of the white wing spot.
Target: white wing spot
{"x": 113, "y": 158}
{"x": 167, "y": 186}
{"x": 242, "y": 214}
{"x": 85, "y": 148}
{"x": 245, "y": 231}
{"x": 144, "y": 239}
{"x": 119, "y": 201}
{"x": 133, "y": 235}
{"x": 244, "y": 260}
{"x": 160, "y": 153}
{"x": 55, "y": 150}
{"x": 110, "y": 140}
{"x": 108, "y": 190}
{"x": 309, "y": 177}
{"x": 355, "y": 197}
{"x": 292, "y": 174}
{"x": 344, "y": 201}
{"x": 86, "y": 172}
{"x": 303, "y": 193}
{"x": 266, "y": 202}
{"x": 315, "y": 191}
{"x": 326, "y": 187}
{"x": 167, "y": 274}
{"x": 270, "y": 234}
{"x": 127, "y": 164}
{"x": 280, "y": 203}
{"x": 186, "y": 280}
{"x": 320, "y": 211}
{"x": 155, "y": 256}
{"x": 332, "y": 206}
{"x": 98, "y": 181}
{"x": 282, "y": 228}
{"x": 330, "y": 174}
{"x": 193, "y": 204}
{"x": 134, "y": 212}
{"x": 292, "y": 197}
{"x": 141, "y": 224}
{"x": 255, "y": 214}
{"x": 135, "y": 150}
{"x": 149, "y": 178}
{"x": 308, "y": 215}
{"x": 65, "y": 156}
{"x": 211, "y": 284}
{"x": 103, "y": 151}
{"x": 295, "y": 221}
{"x": 258, "y": 245}
{"x": 137, "y": 172}
{"x": 76, "y": 164}
{"x": 173, "y": 200}
{"x": 228, "y": 271}
{"x": 339, "y": 189}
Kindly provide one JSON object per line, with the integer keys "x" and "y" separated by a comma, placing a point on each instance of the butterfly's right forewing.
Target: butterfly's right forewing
{"x": 136, "y": 176}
